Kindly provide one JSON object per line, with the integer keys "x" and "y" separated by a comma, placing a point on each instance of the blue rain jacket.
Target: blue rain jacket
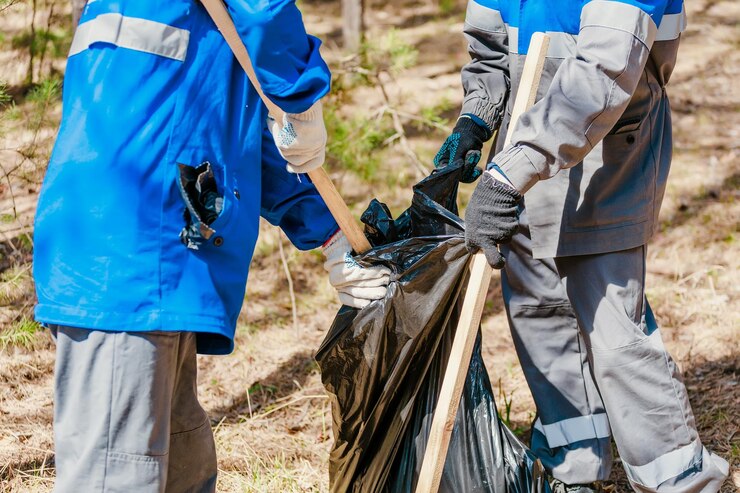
{"x": 150, "y": 87}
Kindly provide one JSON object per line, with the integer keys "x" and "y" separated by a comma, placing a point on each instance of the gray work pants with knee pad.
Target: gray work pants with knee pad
{"x": 127, "y": 416}
{"x": 596, "y": 365}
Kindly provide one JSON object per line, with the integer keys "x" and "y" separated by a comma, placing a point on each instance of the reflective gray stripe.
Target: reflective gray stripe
{"x": 574, "y": 430}
{"x": 132, "y": 33}
{"x": 666, "y": 466}
{"x": 562, "y": 45}
{"x": 672, "y": 25}
{"x": 484, "y": 18}
{"x": 617, "y": 15}
{"x": 513, "y": 39}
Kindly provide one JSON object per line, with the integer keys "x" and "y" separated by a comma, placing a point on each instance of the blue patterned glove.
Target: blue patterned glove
{"x": 465, "y": 143}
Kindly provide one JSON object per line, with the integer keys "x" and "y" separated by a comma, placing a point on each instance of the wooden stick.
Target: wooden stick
{"x": 339, "y": 210}
{"x": 320, "y": 179}
{"x": 472, "y": 308}
{"x": 530, "y": 81}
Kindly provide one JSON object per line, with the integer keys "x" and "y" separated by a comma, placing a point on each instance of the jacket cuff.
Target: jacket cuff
{"x": 484, "y": 110}
{"x": 332, "y": 238}
{"x": 518, "y": 167}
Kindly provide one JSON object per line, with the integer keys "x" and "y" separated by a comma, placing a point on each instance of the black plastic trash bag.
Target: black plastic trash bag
{"x": 383, "y": 365}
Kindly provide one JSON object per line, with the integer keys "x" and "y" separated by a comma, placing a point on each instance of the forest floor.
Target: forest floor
{"x": 270, "y": 414}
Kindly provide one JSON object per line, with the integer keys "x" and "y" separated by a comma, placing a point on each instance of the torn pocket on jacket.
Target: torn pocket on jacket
{"x": 203, "y": 203}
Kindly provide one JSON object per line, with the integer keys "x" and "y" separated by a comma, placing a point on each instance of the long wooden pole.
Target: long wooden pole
{"x": 472, "y": 308}
{"x": 319, "y": 177}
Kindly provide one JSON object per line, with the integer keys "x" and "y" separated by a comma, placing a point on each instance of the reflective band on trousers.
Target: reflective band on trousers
{"x": 132, "y": 33}
{"x": 574, "y": 430}
{"x": 672, "y": 25}
{"x": 666, "y": 466}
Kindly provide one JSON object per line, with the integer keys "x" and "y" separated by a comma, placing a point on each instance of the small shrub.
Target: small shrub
{"x": 22, "y": 333}
{"x": 353, "y": 143}
{"x": 389, "y": 53}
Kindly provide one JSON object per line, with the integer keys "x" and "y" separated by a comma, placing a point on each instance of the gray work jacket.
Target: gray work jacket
{"x": 593, "y": 154}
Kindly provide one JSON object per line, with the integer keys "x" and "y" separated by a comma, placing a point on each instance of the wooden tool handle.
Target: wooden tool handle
{"x": 320, "y": 179}
{"x": 472, "y": 308}
{"x": 339, "y": 210}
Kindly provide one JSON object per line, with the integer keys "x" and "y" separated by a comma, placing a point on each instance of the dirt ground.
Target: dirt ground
{"x": 270, "y": 415}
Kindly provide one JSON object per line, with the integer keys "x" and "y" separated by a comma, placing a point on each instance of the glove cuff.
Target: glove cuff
{"x": 471, "y": 124}
{"x": 315, "y": 112}
{"x": 337, "y": 246}
{"x": 495, "y": 190}
{"x": 331, "y": 237}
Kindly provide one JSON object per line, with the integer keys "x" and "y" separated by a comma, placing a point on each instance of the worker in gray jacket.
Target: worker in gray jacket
{"x": 573, "y": 202}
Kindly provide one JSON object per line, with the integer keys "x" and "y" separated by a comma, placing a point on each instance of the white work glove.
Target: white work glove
{"x": 301, "y": 138}
{"x": 356, "y": 285}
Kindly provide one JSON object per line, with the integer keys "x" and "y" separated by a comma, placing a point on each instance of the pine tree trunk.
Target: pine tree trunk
{"x": 77, "y": 6}
{"x": 353, "y": 25}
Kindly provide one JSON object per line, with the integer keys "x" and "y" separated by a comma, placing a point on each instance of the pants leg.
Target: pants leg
{"x": 571, "y": 434}
{"x": 192, "y": 466}
{"x": 641, "y": 386}
{"x": 114, "y": 414}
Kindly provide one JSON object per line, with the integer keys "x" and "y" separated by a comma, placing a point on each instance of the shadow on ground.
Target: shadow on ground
{"x": 288, "y": 378}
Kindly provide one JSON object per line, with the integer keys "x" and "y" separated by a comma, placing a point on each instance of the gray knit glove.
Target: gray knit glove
{"x": 491, "y": 218}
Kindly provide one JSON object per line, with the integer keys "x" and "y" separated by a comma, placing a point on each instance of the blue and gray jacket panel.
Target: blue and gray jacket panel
{"x": 151, "y": 90}
{"x": 593, "y": 153}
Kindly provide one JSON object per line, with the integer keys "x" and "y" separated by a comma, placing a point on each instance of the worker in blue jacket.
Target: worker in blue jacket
{"x": 148, "y": 218}
{"x": 573, "y": 201}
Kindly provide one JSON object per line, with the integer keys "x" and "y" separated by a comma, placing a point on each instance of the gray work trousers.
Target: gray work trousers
{"x": 127, "y": 416}
{"x": 590, "y": 348}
